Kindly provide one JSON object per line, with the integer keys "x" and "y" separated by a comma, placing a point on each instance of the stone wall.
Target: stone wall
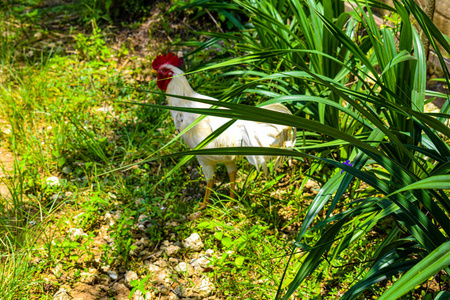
{"x": 441, "y": 14}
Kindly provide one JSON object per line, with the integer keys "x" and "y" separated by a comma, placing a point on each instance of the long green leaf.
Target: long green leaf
{"x": 426, "y": 268}
{"x": 433, "y": 182}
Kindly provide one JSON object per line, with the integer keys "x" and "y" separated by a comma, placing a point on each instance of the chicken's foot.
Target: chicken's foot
{"x": 209, "y": 186}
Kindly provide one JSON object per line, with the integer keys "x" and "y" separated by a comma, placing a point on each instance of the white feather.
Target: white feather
{"x": 241, "y": 133}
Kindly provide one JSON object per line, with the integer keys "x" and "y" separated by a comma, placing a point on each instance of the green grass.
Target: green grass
{"x": 58, "y": 130}
{"x": 68, "y": 118}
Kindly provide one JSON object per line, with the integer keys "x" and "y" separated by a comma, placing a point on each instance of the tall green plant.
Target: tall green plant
{"x": 363, "y": 89}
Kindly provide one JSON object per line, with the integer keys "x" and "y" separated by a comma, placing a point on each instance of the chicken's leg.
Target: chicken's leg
{"x": 232, "y": 185}
{"x": 209, "y": 186}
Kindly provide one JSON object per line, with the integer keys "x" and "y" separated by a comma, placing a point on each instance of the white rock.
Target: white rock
{"x": 105, "y": 109}
{"x": 53, "y": 181}
{"x": 311, "y": 184}
{"x": 143, "y": 218}
{"x": 431, "y": 108}
{"x": 201, "y": 262}
{"x": 145, "y": 242}
{"x": 89, "y": 277}
{"x": 184, "y": 269}
{"x": 193, "y": 242}
{"x": 172, "y": 250}
{"x": 62, "y": 294}
{"x": 209, "y": 252}
{"x": 75, "y": 233}
{"x": 173, "y": 261}
{"x": 130, "y": 276}
{"x": 173, "y": 296}
{"x": 38, "y": 35}
{"x": 106, "y": 268}
{"x": 161, "y": 276}
{"x": 154, "y": 268}
{"x": 161, "y": 263}
{"x": 113, "y": 274}
{"x": 205, "y": 287}
{"x": 110, "y": 219}
{"x": 139, "y": 296}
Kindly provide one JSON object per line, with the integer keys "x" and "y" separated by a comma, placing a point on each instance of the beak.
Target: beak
{"x": 154, "y": 72}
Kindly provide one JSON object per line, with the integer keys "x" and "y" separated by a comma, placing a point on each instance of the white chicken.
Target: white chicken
{"x": 241, "y": 133}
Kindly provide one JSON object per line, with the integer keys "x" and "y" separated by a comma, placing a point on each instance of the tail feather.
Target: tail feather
{"x": 257, "y": 134}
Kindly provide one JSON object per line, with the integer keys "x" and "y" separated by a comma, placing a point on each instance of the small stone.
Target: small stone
{"x": 201, "y": 262}
{"x": 172, "y": 250}
{"x": 205, "y": 287}
{"x": 173, "y": 296}
{"x": 143, "y": 219}
{"x": 181, "y": 291}
{"x": 209, "y": 252}
{"x": 75, "y": 233}
{"x": 105, "y": 269}
{"x": 139, "y": 296}
{"x": 110, "y": 219}
{"x": 121, "y": 291}
{"x": 53, "y": 181}
{"x": 113, "y": 274}
{"x": 185, "y": 269}
{"x": 161, "y": 263}
{"x": 154, "y": 268}
{"x": 173, "y": 260}
{"x": 164, "y": 290}
{"x": 62, "y": 294}
{"x": 193, "y": 242}
{"x": 130, "y": 276}
{"x": 192, "y": 296}
{"x": 161, "y": 276}
{"x": 312, "y": 185}
{"x": 145, "y": 241}
{"x": 138, "y": 246}
{"x": 144, "y": 253}
{"x": 89, "y": 277}
{"x": 105, "y": 109}
{"x": 38, "y": 36}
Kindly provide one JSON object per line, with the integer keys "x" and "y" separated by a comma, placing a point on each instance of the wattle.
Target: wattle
{"x": 162, "y": 83}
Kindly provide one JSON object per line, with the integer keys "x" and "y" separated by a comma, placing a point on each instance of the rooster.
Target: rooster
{"x": 171, "y": 80}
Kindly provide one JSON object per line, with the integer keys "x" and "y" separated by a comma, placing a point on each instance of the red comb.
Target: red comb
{"x": 170, "y": 58}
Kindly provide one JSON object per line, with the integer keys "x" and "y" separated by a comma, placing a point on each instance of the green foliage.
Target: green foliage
{"x": 123, "y": 236}
{"x": 357, "y": 93}
{"x": 362, "y": 89}
{"x": 112, "y": 10}
{"x": 93, "y": 47}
